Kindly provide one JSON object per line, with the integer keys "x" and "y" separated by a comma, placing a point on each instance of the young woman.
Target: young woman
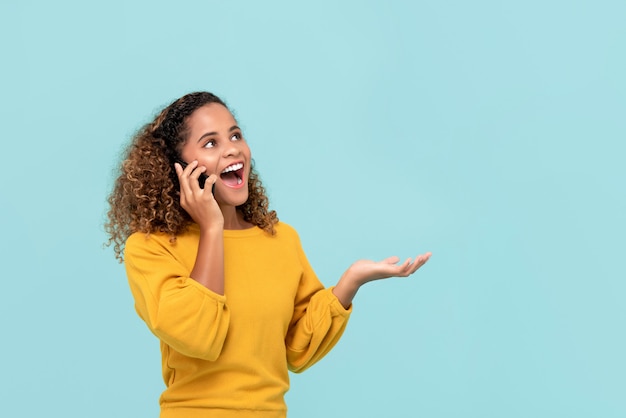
{"x": 216, "y": 277}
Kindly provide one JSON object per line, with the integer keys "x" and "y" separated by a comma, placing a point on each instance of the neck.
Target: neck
{"x": 233, "y": 219}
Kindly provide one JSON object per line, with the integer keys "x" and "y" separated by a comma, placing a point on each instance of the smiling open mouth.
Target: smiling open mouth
{"x": 232, "y": 175}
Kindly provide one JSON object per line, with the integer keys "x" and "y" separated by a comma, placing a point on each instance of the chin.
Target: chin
{"x": 233, "y": 201}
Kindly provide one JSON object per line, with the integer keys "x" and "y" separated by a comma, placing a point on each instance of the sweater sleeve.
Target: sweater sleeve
{"x": 180, "y": 311}
{"x": 317, "y": 324}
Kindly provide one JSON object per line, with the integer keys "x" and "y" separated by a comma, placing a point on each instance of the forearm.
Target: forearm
{"x": 346, "y": 289}
{"x": 208, "y": 269}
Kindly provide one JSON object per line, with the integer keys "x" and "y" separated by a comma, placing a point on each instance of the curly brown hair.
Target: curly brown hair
{"x": 146, "y": 194}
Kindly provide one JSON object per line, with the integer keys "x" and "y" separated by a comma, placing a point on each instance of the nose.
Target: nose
{"x": 232, "y": 149}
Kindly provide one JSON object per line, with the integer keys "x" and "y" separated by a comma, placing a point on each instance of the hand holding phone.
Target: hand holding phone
{"x": 201, "y": 179}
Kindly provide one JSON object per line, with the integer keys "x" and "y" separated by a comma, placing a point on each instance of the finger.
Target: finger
{"x": 183, "y": 179}
{"x": 194, "y": 176}
{"x": 407, "y": 264}
{"x": 210, "y": 182}
{"x": 190, "y": 167}
{"x": 399, "y": 270}
{"x": 420, "y": 261}
{"x": 424, "y": 258}
{"x": 409, "y": 267}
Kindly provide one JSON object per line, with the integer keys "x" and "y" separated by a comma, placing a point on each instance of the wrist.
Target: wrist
{"x": 211, "y": 228}
{"x": 353, "y": 277}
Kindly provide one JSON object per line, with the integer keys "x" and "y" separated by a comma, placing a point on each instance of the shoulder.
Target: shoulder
{"x": 285, "y": 230}
{"x": 288, "y": 235}
{"x": 140, "y": 242}
{"x": 137, "y": 239}
{"x": 143, "y": 238}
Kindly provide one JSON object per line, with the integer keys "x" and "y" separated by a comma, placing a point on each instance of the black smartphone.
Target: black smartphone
{"x": 201, "y": 179}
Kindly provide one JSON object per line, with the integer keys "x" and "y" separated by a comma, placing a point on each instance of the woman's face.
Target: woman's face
{"x": 217, "y": 143}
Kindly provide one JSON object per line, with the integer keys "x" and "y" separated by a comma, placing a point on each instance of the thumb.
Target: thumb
{"x": 391, "y": 260}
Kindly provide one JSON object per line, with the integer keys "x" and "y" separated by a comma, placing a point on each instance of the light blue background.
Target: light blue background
{"x": 488, "y": 132}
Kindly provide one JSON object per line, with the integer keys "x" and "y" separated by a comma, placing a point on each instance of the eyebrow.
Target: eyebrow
{"x": 233, "y": 128}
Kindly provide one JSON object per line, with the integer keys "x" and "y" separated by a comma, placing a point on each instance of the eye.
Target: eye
{"x": 236, "y": 137}
{"x": 210, "y": 143}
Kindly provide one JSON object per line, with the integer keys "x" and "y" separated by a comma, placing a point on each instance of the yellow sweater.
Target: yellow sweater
{"x": 228, "y": 356}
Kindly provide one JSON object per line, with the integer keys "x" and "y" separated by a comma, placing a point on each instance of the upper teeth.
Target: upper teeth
{"x": 233, "y": 167}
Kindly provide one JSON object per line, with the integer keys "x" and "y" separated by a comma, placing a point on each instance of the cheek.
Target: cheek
{"x": 208, "y": 161}
{"x": 210, "y": 164}
{"x": 249, "y": 158}
{"x": 186, "y": 153}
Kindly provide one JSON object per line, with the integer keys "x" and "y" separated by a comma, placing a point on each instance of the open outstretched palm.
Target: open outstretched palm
{"x": 367, "y": 270}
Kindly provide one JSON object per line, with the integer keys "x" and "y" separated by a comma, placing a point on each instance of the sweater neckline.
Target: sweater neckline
{"x": 243, "y": 233}
{"x": 236, "y": 233}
